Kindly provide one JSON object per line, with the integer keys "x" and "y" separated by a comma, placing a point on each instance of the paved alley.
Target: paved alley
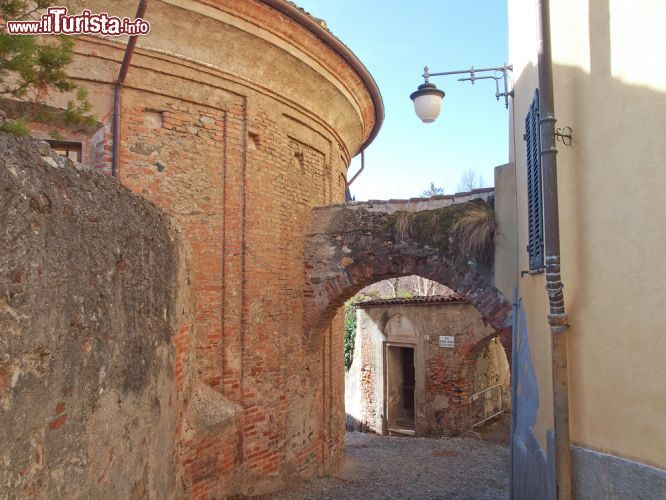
{"x": 415, "y": 468}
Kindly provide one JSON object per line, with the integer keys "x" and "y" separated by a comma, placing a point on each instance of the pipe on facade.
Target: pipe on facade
{"x": 348, "y": 196}
{"x": 343, "y": 51}
{"x": 514, "y": 385}
{"x": 557, "y": 318}
{"x": 117, "y": 91}
{"x": 360, "y": 170}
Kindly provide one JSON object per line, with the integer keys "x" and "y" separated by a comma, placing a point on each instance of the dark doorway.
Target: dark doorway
{"x": 400, "y": 386}
{"x": 409, "y": 378}
{"x": 68, "y": 149}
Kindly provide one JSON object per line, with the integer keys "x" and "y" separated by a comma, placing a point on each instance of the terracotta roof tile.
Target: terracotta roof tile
{"x": 431, "y": 300}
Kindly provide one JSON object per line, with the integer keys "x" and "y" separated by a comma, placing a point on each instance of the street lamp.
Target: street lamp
{"x": 427, "y": 101}
{"x": 428, "y": 98}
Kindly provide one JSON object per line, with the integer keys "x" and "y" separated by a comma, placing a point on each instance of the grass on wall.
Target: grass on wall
{"x": 475, "y": 231}
{"x": 472, "y": 224}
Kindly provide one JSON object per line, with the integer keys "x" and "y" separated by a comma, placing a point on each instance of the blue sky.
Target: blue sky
{"x": 395, "y": 39}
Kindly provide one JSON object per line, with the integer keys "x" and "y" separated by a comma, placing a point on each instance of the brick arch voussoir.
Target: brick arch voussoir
{"x": 463, "y": 276}
{"x": 324, "y": 299}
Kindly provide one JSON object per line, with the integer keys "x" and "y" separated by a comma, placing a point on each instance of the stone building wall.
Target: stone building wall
{"x": 93, "y": 298}
{"x": 445, "y": 377}
{"x": 236, "y": 120}
{"x": 492, "y": 369}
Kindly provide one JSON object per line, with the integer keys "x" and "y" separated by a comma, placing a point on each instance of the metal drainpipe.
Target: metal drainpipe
{"x": 360, "y": 170}
{"x": 514, "y": 388}
{"x": 124, "y": 68}
{"x": 557, "y": 318}
{"x": 347, "y": 193}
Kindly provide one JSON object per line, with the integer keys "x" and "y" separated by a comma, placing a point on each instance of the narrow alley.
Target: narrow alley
{"x": 469, "y": 467}
{"x": 279, "y": 249}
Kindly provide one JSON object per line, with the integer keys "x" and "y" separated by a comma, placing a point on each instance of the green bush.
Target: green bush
{"x": 33, "y": 66}
{"x": 16, "y": 127}
{"x": 350, "y": 331}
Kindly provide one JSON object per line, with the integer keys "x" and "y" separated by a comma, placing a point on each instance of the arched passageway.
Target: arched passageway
{"x": 351, "y": 246}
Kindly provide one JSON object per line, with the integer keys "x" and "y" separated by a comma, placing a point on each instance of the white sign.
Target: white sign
{"x": 446, "y": 341}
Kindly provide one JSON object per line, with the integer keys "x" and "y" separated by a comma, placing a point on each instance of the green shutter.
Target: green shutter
{"x": 534, "y": 186}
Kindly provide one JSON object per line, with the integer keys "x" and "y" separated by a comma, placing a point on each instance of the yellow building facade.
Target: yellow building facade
{"x": 610, "y": 88}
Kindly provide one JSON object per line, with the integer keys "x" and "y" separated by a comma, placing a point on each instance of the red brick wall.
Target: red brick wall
{"x": 241, "y": 187}
{"x": 236, "y": 130}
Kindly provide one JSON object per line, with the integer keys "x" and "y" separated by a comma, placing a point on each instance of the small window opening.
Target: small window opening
{"x": 68, "y": 149}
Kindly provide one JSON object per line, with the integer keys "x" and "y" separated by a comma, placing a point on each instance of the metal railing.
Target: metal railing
{"x": 486, "y": 404}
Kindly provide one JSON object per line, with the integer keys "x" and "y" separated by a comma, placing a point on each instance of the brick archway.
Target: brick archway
{"x": 351, "y": 246}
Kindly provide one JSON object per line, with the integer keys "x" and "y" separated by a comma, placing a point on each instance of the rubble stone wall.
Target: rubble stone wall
{"x": 94, "y": 322}
{"x": 350, "y": 247}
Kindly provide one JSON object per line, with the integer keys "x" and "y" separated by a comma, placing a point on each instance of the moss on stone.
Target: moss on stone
{"x": 431, "y": 226}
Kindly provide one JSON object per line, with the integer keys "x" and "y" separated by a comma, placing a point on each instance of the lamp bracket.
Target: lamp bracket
{"x": 499, "y": 75}
{"x": 564, "y": 135}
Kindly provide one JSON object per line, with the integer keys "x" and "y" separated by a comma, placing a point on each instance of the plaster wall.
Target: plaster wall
{"x": 610, "y": 92}
{"x": 95, "y": 322}
{"x": 506, "y": 261}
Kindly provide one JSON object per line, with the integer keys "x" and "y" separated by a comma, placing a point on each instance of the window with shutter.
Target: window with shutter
{"x": 534, "y": 186}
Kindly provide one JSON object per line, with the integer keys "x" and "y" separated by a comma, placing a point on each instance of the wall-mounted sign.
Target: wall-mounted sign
{"x": 446, "y": 341}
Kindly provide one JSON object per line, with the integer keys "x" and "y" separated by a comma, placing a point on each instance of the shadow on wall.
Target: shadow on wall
{"x": 611, "y": 187}
{"x": 529, "y": 460}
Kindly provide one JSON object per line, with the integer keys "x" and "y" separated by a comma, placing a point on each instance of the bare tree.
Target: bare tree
{"x": 394, "y": 283}
{"x": 424, "y": 287}
{"x": 469, "y": 181}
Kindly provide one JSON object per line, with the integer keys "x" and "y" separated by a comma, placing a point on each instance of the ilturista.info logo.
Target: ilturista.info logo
{"x": 57, "y": 21}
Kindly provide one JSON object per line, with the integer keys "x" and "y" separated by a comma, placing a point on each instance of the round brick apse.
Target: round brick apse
{"x": 220, "y": 128}
{"x": 349, "y": 247}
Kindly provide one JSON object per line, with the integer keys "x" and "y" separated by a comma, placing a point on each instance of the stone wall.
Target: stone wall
{"x": 350, "y": 247}
{"x": 95, "y": 322}
{"x": 492, "y": 369}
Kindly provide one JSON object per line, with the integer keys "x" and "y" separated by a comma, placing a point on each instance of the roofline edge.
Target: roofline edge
{"x": 343, "y": 51}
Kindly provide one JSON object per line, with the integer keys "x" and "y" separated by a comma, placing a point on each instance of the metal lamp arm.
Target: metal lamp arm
{"x": 472, "y": 78}
{"x": 496, "y": 78}
{"x": 472, "y": 70}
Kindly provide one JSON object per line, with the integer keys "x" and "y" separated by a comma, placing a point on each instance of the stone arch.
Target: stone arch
{"x": 466, "y": 373}
{"x": 351, "y": 246}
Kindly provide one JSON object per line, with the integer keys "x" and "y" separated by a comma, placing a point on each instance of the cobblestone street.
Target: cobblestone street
{"x": 414, "y": 468}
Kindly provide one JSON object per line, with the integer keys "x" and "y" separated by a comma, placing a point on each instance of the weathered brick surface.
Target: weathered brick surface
{"x": 241, "y": 190}
{"x": 236, "y": 131}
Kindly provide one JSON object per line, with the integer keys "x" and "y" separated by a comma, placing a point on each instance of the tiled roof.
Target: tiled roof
{"x": 431, "y": 300}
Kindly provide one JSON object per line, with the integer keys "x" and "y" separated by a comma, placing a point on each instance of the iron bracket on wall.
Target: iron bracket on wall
{"x": 499, "y": 74}
{"x": 564, "y": 135}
